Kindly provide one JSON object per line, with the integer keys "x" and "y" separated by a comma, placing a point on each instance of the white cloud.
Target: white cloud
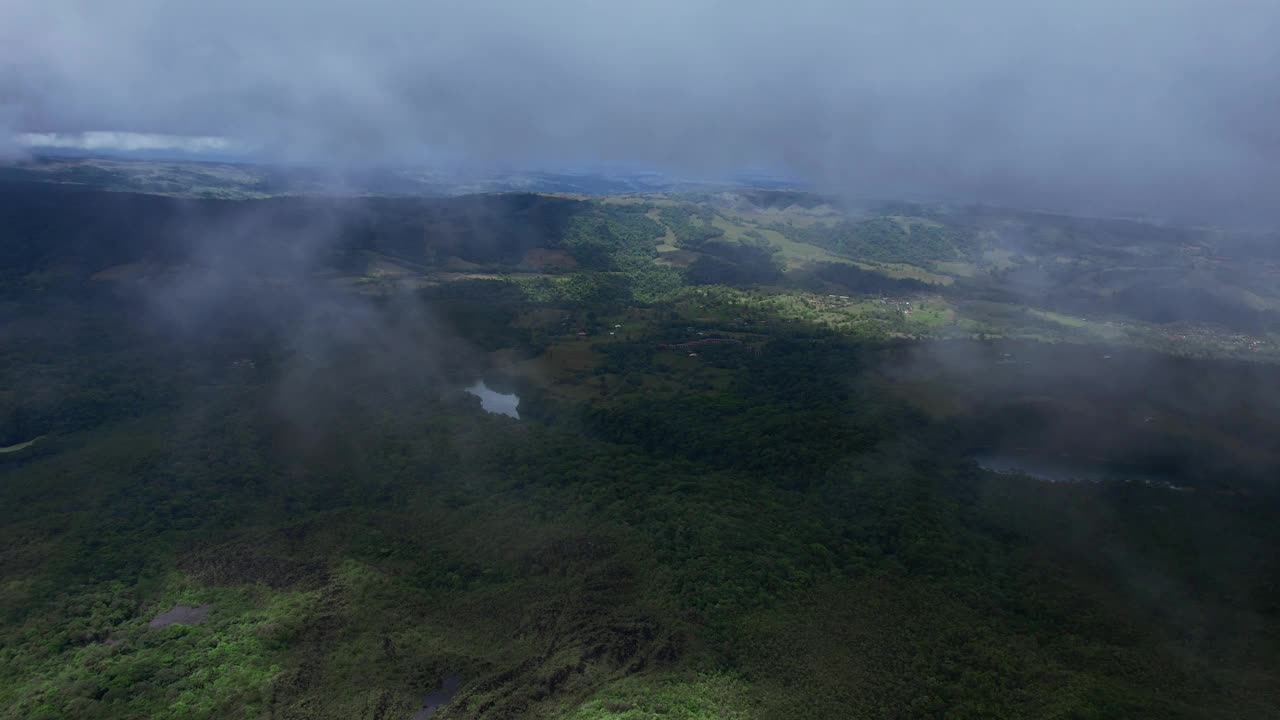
{"x": 127, "y": 141}
{"x": 1132, "y": 106}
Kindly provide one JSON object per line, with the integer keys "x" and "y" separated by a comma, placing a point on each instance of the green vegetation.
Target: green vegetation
{"x": 745, "y": 488}
{"x": 103, "y": 658}
{"x": 892, "y": 240}
{"x": 702, "y": 697}
{"x": 691, "y": 225}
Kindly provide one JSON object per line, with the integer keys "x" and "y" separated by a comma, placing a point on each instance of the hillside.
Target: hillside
{"x": 774, "y": 458}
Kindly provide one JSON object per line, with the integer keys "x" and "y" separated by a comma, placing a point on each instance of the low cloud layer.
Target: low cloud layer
{"x": 124, "y": 141}
{"x": 1142, "y": 106}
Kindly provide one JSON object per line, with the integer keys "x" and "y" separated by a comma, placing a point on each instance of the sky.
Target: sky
{"x": 1157, "y": 107}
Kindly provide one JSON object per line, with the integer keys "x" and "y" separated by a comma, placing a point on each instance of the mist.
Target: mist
{"x": 1162, "y": 107}
{"x": 259, "y": 275}
{"x": 259, "y": 405}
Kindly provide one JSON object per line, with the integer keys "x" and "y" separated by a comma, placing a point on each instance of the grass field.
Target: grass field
{"x": 794, "y": 254}
{"x": 908, "y": 272}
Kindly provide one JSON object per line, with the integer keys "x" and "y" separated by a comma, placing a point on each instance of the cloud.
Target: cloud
{"x": 1142, "y": 106}
{"x": 126, "y": 141}
{"x": 10, "y": 148}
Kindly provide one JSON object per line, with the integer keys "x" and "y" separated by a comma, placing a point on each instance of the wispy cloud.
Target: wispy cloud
{"x": 127, "y": 142}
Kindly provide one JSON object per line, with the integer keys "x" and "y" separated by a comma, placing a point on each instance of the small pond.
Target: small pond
{"x": 448, "y": 688}
{"x": 495, "y": 402}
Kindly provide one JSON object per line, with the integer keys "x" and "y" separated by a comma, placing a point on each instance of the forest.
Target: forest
{"x": 253, "y": 411}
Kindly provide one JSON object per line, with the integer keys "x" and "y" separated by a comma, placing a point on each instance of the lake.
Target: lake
{"x": 495, "y": 402}
{"x": 1039, "y": 469}
{"x": 1051, "y": 471}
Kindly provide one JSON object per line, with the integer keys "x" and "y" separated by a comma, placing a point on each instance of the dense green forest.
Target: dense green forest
{"x": 717, "y": 501}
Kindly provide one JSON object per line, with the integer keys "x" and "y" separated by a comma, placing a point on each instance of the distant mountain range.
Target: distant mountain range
{"x": 207, "y": 178}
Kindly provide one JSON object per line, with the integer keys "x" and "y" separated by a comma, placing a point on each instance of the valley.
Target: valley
{"x": 690, "y": 453}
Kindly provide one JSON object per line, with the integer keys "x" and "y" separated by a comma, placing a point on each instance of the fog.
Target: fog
{"x": 1162, "y": 107}
{"x": 249, "y": 286}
